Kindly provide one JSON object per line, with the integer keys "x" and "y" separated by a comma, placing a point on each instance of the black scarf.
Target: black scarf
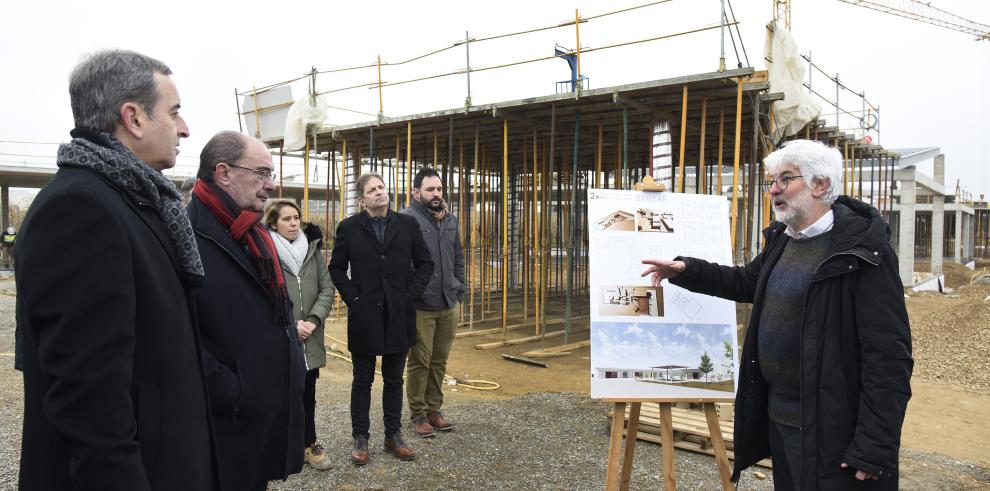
{"x": 104, "y": 154}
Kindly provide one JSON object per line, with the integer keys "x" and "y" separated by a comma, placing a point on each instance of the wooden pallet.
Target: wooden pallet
{"x": 690, "y": 430}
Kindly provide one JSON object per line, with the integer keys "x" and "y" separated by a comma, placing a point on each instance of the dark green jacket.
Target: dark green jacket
{"x": 312, "y": 297}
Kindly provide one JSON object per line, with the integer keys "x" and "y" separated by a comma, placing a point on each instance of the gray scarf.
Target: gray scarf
{"x": 291, "y": 253}
{"x": 117, "y": 163}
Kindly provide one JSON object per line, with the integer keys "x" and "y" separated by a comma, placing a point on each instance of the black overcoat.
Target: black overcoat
{"x": 855, "y": 352}
{"x": 386, "y": 278}
{"x": 254, "y": 367}
{"x": 114, "y": 396}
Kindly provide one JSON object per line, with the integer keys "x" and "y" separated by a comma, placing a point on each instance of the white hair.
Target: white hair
{"x": 815, "y": 160}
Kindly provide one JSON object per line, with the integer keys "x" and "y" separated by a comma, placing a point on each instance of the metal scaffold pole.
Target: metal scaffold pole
{"x": 545, "y": 222}
{"x": 700, "y": 179}
{"x": 474, "y": 229}
{"x": 524, "y": 230}
{"x": 537, "y": 229}
{"x": 680, "y": 166}
{"x": 735, "y": 165}
{"x": 505, "y": 229}
{"x": 395, "y": 172}
{"x": 460, "y": 208}
{"x": 598, "y": 157}
{"x": 573, "y": 235}
{"x": 721, "y": 142}
{"x": 625, "y": 147}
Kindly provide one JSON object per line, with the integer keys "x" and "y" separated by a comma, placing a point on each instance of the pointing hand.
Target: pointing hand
{"x": 662, "y": 270}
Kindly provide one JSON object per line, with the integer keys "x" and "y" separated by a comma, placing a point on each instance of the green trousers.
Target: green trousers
{"x": 427, "y": 361}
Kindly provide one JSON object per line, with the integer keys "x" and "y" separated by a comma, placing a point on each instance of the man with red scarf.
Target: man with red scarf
{"x": 254, "y": 367}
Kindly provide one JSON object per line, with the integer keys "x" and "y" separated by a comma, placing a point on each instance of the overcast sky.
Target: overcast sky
{"x": 932, "y": 85}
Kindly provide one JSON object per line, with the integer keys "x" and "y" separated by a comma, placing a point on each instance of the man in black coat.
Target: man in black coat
{"x": 826, "y": 366}
{"x": 114, "y": 396}
{"x": 254, "y": 367}
{"x": 390, "y": 267}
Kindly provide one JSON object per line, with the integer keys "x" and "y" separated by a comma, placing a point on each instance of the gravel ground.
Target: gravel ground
{"x": 536, "y": 441}
{"x": 11, "y": 392}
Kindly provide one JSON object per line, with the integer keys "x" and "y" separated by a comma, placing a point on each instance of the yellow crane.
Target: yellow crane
{"x": 921, "y": 12}
{"x": 909, "y": 9}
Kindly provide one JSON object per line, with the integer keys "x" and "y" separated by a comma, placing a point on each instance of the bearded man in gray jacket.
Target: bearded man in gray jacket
{"x": 438, "y": 310}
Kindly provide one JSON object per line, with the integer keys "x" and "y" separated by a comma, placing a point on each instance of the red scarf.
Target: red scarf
{"x": 246, "y": 229}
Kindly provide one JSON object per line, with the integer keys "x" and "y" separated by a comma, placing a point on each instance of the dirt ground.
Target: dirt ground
{"x": 951, "y": 382}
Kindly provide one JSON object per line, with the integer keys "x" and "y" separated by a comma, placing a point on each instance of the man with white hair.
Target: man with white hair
{"x": 826, "y": 365}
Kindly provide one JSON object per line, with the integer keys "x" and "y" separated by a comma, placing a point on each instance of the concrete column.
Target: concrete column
{"x": 967, "y": 237}
{"x": 958, "y": 254}
{"x": 905, "y": 239}
{"x": 5, "y": 207}
{"x": 938, "y": 216}
{"x": 5, "y": 221}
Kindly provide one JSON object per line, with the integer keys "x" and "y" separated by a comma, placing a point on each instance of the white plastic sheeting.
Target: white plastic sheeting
{"x": 266, "y": 121}
{"x": 303, "y": 113}
{"x": 786, "y": 73}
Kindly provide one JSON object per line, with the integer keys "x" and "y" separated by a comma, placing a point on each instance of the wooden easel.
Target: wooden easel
{"x": 619, "y": 467}
{"x": 617, "y": 478}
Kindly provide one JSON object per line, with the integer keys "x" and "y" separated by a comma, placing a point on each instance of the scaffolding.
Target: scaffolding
{"x": 517, "y": 173}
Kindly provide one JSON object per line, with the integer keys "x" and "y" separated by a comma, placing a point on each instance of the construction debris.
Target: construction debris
{"x": 562, "y": 350}
{"x": 529, "y": 339}
{"x": 527, "y": 361}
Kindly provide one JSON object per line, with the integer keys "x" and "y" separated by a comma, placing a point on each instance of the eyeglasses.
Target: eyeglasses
{"x": 781, "y": 183}
{"x": 264, "y": 174}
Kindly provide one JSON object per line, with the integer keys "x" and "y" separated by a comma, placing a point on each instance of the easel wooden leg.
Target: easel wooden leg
{"x": 614, "y": 447}
{"x": 667, "y": 440}
{"x": 631, "y": 431}
{"x": 718, "y": 444}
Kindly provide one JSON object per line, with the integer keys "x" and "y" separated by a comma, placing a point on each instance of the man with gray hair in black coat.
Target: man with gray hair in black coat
{"x": 255, "y": 371}
{"x": 114, "y": 395}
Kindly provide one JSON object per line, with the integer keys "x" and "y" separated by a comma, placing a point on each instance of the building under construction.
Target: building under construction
{"x": 518, "y": 172}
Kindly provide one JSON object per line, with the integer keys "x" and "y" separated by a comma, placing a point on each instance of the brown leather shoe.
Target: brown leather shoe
{"x": 359, "y": 451}
{"x": 395, "y": 446}
{"x": 438, "y": 422}
{"x": 422, "y": 428}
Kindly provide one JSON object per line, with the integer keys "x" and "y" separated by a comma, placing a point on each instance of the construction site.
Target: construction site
{"x": 518, "y": 172}
{"x": 518, "y": 175}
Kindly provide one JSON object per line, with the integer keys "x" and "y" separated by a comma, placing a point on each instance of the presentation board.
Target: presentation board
{"x": 657, "y": 341}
